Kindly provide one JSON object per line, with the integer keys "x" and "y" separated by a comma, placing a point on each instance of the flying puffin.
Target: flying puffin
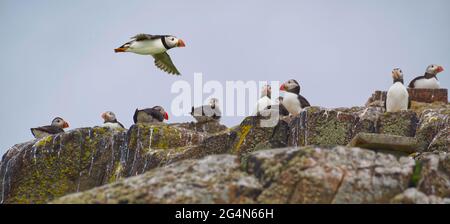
{"x": 264, "y": 101}
{"x": 397, "y": 98}
{"x": 206, "y": 113}
{"x": 293, "y": 101}
{"x": 110, "y": 120}
{"x": 156, "y": 46}
{"x": 155, "y": 114}
{"x": 429, "y": 80}
{"x": 57, "y": 126}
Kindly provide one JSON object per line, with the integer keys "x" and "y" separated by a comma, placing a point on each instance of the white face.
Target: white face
{"x": 266, "y": 90}
{"x": 109, "y": 116}
{"x": 213, "y": 102}
{"x": 397, "y": 73}
{"x": 434, "y": 69}
{"x": 171, "y": 41}
{"x": 290, "y": 84}
{"x": 59, "y": 122}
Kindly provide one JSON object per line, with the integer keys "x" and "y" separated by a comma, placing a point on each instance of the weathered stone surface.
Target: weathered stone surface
{"x": 433, "y": 129}
{"x": 336, "y": 175}
{"x": 214, "y": 179}
{"x": 211, "y": 127}
{"x": 382, "y": 142}
{"x": 328, "y": 127}
{"x": 413, "y": 196}
{"x": 250, "y": 136}
{"x": 435, "y": 174}
{"x": 43, "y": 169}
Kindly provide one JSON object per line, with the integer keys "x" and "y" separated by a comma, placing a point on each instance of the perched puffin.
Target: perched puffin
{"x": 293, "y": 101}
{"x": 156, "y": 46}
{"x": 206, "y": 113}
{"x": 278, "y": 105}
{"x": 429, "y": 80}
{"x": 57, "y": 126}
{"x": 110, "y": 120}
{"x": 397, "y": 98}
{"x": 264, "y": 101}
{"x": 155, "y": 114}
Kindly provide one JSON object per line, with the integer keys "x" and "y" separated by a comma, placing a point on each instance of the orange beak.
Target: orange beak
{"x": 104, "y": 116}
{"x": 65, "y": 125}
{"x": 166, "y": 116}
{"x": 120, "y": 49}
{"x": 282, "y": 87}
{"x": 440, "y": 69}
{"x": 181, "y": 43}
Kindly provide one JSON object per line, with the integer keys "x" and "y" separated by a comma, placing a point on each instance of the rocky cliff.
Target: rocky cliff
{"x": 393, "y": 158}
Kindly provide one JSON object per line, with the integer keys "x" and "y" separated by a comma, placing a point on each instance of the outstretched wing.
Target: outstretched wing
{"x": 163, "y": 62}
{"x": 143, "y": 36}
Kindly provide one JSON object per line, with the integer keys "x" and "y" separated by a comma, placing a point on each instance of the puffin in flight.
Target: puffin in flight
{"x": 293, "y": 101}
{"x": 429, "y": 80}
{"x": 155, "y": 114}
{"x": 264, "y": 101}
{"x": 397, "y": 98}
{"x": 156, "y": 46}
{"x": 57, "y": 126}
{"x": 110, "y": 120}
{"x": 206, "y": 113}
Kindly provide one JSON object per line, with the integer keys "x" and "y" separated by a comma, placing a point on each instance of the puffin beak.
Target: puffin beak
{"x": 65, "y": 125}
{"x": 282, "y": 87}
{"x": 166, "y": 116}
{"x": 440, "y": 69}
{"x": 104, "y": 116}
{"x": 120, "y": 49}
{"x": 181, "y": 43}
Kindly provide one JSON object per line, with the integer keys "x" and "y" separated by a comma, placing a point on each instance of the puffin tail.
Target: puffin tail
{"x": 135, "y": 116}
{"x": 32, "y": 132}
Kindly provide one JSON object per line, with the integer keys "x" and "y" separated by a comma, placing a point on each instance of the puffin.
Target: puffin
{"x": 278, "y": 106}
{"x": 264, "y": 101}
{"x": 156, "y": 46}
{"x": 429, "y": 79}
{"x": 397, "y": 98}
{"x": 156, "y": 114}
{"x": 110, "y": 120}
{"x": 206, "y": 113}
{"x": 293, "y": 101}
{"x": 57, "y": 126}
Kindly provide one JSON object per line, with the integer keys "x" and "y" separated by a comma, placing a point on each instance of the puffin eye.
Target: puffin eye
{"x": 173, "y": 39}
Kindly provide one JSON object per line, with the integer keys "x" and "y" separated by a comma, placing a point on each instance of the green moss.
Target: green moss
{"x": 417, "y": 174}
{"x": 329, "y": 132}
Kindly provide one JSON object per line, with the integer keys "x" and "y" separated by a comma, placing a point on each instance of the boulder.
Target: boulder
{"x": 333, "y": 175}
{"x": 414, "y": 196}
{"x": 388, "y": 143}
{"x": 214, "y": 179}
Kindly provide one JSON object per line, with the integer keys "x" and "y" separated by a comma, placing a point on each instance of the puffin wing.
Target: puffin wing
{"x": 37, "y": 132}
{"x": 411, "y": 84}
{"x": 303, "y": 102}
{"x": 154, "y": 114}
{"x": 143, "y": 36}
{"x": 163, "y": 62}
{"x": 121, "y": 125}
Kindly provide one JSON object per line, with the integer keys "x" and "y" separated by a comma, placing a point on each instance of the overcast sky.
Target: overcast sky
{"x": 57, "y": 56}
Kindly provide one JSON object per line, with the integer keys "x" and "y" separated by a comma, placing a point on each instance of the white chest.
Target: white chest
{"x": 111, "y": 125}
{"x": 397, "y": 98}
{"x": 426, "y": 84}
{"x": 291, "y": 103}
{"x": 262, "y": 104}
{"x": 147, "y": 47}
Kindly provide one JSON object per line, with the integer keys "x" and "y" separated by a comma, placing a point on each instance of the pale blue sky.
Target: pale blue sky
{"x": 57, "y": 56}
